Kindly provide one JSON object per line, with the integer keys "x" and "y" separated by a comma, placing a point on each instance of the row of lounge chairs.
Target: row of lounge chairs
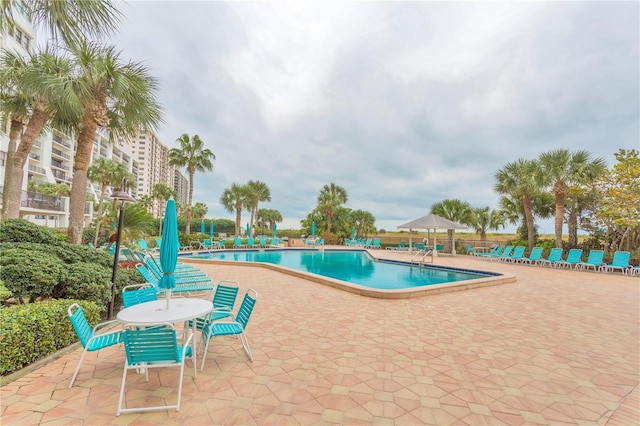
{"x": 573, "y": 259}
{"x": 261, "y": 242}
{"x": 364, "y": 243}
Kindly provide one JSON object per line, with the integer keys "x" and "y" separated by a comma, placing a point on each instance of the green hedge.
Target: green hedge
{"x": 31, "y": 332}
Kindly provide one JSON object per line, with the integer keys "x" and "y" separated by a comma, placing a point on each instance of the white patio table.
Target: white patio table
{"x": 180, "y": 310}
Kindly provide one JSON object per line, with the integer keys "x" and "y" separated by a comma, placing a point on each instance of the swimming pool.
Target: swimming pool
{"x": 353, "y": 266}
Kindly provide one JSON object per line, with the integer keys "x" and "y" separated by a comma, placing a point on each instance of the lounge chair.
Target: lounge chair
{"x": 620, "y": 262}
{"x": 573, "y": 258}
{"x": 595, "y": 260}
{"x": 275, "y": 242}
{"x": 251, "y": 243}
{"x": 195, "y": 285}
{"x": 153, "y": 347}
{"x": 555, "y": 256}
{"x": 400, "y": 247}
{"x": 376, "y": 243}
{"x": 237, "y": 243}
{"x": 534, "y": 256}
{"x": 236, "y": 327}
{"x": 89, "y": 338}
{"x": 634, "y": 270}
{"x": 505, "y": 253}
{"x": 493, "y": 253}
{"x": 518, "y": 253}
{"x": 262, "y": 242}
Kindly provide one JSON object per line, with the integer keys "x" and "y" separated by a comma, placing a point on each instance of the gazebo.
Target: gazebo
{"x": 435, "y": 222}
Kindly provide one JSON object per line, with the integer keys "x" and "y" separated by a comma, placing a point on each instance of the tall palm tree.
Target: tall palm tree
{"x": 331, "y": 198}
{"x": 521, "y": 179}
{"x": 562, "y": 168}
{"x": 258, "y": 191}
{"x": 115, "y": 95}
{"x": 194, "y": 157}
{"x": 105, "y": 172}
{"x": 34, "y": 90}
{"x": 234, "y": 199}
{"x": 70, "y": 20}
{"x": 484, "y": 219}
{"x": 454, "y": 210}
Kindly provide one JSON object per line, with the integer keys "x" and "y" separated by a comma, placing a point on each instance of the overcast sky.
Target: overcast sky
{"x": 402, "y": 104}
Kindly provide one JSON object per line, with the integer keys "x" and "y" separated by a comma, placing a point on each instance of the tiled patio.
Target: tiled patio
{"x": 556, "y": 347}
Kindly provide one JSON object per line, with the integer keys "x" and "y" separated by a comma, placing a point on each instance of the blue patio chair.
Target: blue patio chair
{"x": 555, "y": 256}
{"x": 505, "y": 253}
{"x": 376, "y": 243}
{"x": 89, "y": 338}
{"x": 275, "y": 242}
{"x": 155, "y": 347}
{"x": 224, "y": 300}
{"x": 251, "y": 243}
{"x": 195, "y": 285}
{"x": 534, "y": 256}
{"x": 138, "y": 293}
{"x": 237, "y": 243}
{"x": 237, "y": 327}
{"x": 573, "y": 258}
{"x": 263, "y": 242}
{"x": 620, "y": 262}
{"x": 594, "y": 260}
{"x": 518, "y": 253}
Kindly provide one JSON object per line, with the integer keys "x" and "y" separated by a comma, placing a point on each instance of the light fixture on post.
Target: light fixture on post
{"x": 119, "y": 194}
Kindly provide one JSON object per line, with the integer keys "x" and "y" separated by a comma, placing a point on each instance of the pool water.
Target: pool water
{"x": 356, "y": 267}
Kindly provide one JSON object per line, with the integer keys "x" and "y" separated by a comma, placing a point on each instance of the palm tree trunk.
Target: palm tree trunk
{"x": 528, "y": 216}
{"x": 14, "y": 133}
{"x": 573, "y": 230}
{"x": 188, "y": 230}
{"x": 103, "y": 190}
{"x": 79, "y": 185}
{"x": 560, "y": 198}
{"x": 238, "y": 218}
{"x": 32, "y": 131}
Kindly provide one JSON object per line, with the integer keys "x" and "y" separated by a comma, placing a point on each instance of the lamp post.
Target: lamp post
{"x": 119, "y": 194}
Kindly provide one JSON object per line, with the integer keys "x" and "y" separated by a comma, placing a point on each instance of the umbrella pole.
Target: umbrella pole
{"x": 167, "y": 296}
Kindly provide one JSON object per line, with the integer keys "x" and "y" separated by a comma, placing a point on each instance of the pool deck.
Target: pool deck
{"x": 555, "y": 347}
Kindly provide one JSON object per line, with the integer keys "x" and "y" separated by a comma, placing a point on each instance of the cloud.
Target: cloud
{"x": 402, "y": 104}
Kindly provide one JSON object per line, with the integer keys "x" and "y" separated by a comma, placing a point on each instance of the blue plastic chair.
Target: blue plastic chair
{"x": 155, "y": 347}
{"x": 573, "y": 258}
{"x": 555, "y": 256}
{"x": 376, "y": 243}
{"x": 620, "y": 261}
{"x": 534, "y": 256}
{"x": 90, "y": 340}
{"x": 224, "y": 300}
{"x": 595, "y": 260}
{"x": 518, "y": 253}
{"x": 138, "y": 293}
{"x": 236, "y": 327}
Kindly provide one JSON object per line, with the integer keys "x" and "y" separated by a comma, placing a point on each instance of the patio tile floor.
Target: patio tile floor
{"x": 555, "y": 347}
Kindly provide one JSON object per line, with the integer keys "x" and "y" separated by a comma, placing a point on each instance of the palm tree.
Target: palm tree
{"x": 484, "y": 219}
{"x": 35, "y": 91}
{"x": 258, "y": 191}
{"x": 364, "y": 221}
{"x": 234, "y": 199}
{"x": 161, "y": 193}
{"x": 115, "y": 95}
{"x": 269, "y": 216}
{"x": 105, "y": 172}
{"x": 194, "y": 157}
{"x": 562, "y": 168}
{"x": 330, "y": 199}
{"x": 521, "y": 179}
{"x": 72, "y": 20}
{"x": 454, "y": 210}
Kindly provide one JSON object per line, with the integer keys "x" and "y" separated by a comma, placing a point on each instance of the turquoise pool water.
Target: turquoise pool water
{"x": 355, "y": 266}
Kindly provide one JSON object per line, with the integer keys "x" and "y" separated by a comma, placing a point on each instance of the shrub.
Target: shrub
{"x": 30, "y": 275}
{"x": 31, "y": 332}
{"x": 21, "y": 230}
{"x": 4, "y": 292}
{"x": 85, "y": 281}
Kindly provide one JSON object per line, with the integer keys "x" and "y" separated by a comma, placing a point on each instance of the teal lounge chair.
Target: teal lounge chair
{"x": 555, "y": 256}
{"x": 634, "y": 270}
{"x": 518, "y": 253}
{"x": 620, "y": 262}
{"x": 493, "y": 253}
{"x": 505, "y": 253}
{"x": 194, "y": 286}
{"x": 237, "y": 243}
{"x": 376, "y": 243}
{"x": 573, "y": 258}
{"x": 534, "y": 256}
{"x": 595, "y": 260}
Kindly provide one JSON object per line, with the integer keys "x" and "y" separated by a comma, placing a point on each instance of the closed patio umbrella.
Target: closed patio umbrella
{"x": 275, "y": 230}
{"x": 313, "y": 228}
{"x": 353, "y": 233}
{"x": 211, "y": 228}
{"x": 202, "y": 227}
{"x": 169, "y": 246}
{"x": 247, "y": 234}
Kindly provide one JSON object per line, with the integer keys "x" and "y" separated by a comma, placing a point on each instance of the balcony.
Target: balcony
{"x": 35, "y": 200}
{"x": 37, "y": 169}
{"x": 58, "y": 140}
{"x": 61, "y": 176}
{"x": 34, "y": 156}
{"x": 60, "y": 154}
{"x": 59, "y": 165}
